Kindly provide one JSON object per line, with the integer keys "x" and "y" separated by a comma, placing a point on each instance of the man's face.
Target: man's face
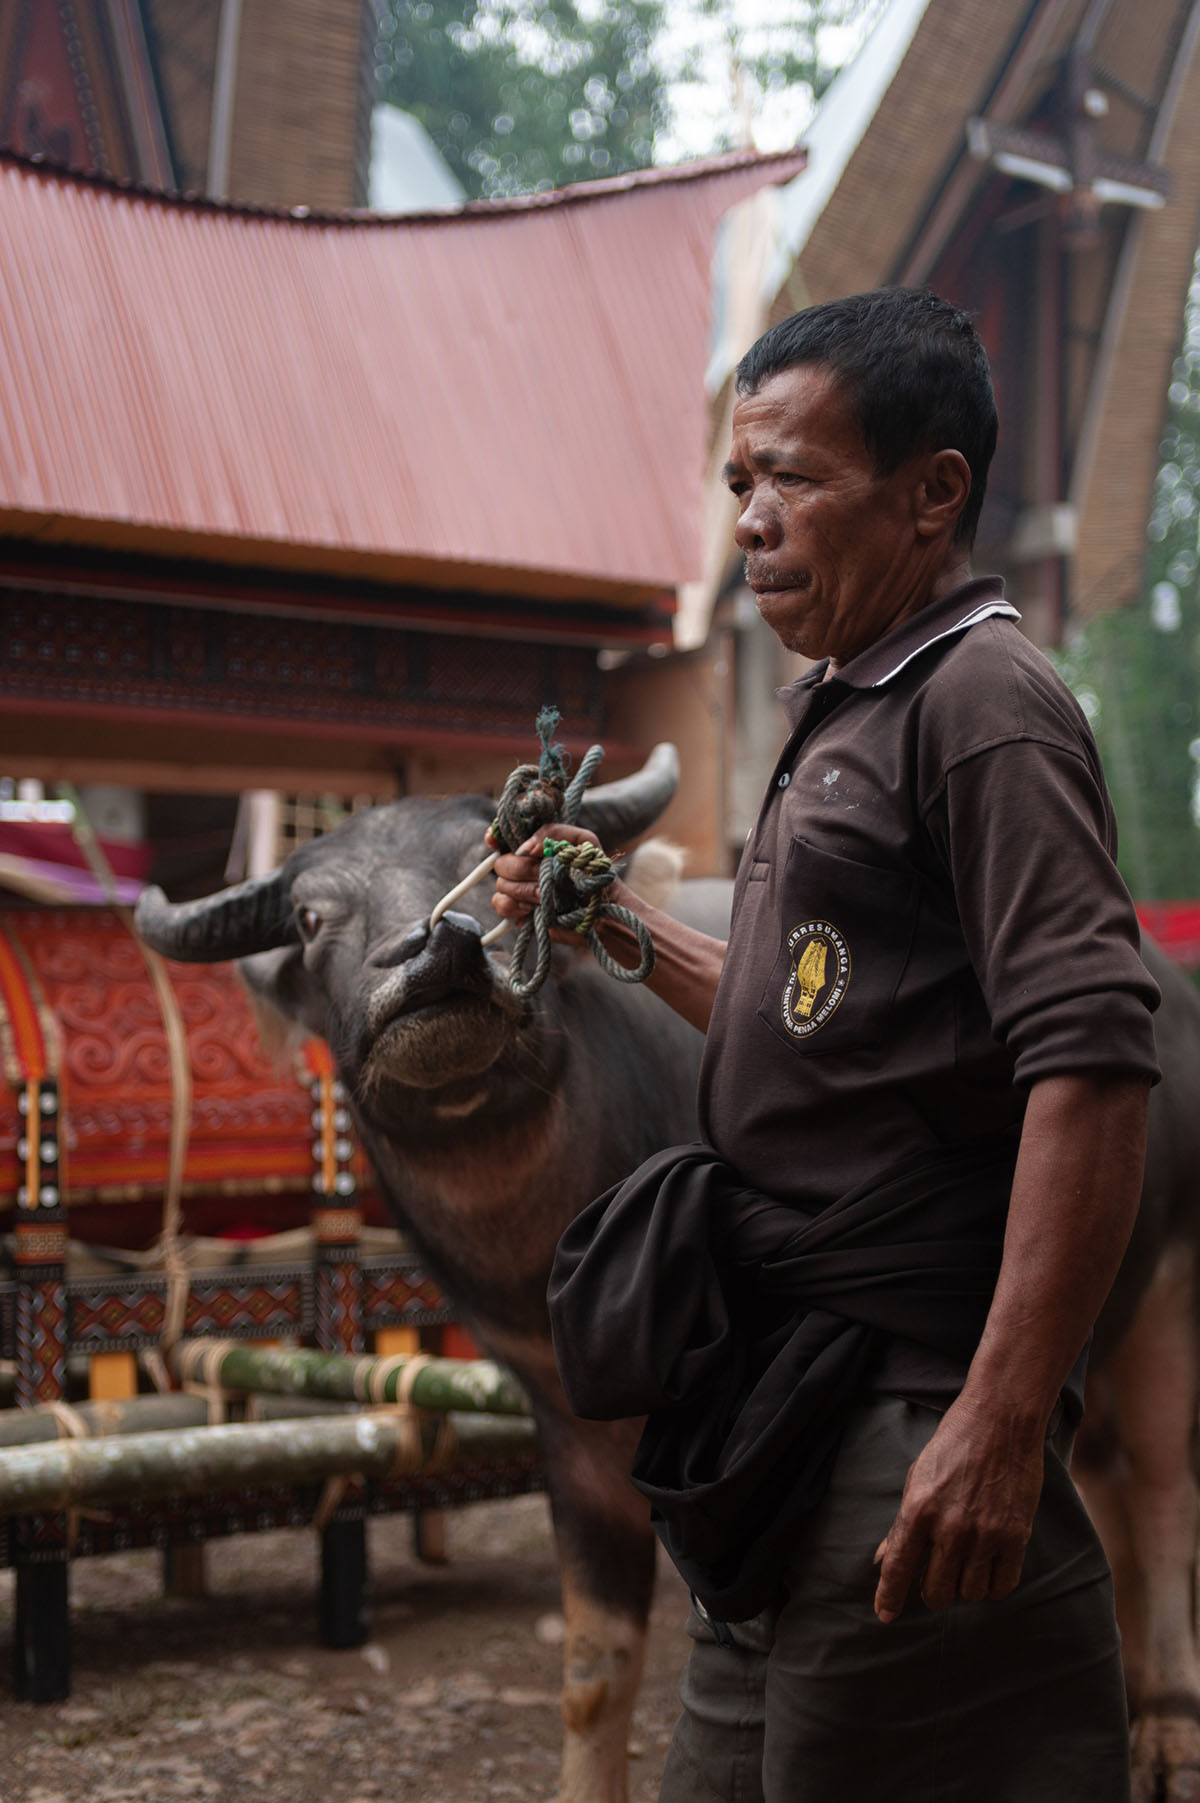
{"x": 831, "y": 548}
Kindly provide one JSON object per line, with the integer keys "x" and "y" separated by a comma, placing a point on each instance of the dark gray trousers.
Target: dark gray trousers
{"x": 1019, "y": 1701}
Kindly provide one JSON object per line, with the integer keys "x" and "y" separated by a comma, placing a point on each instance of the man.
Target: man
{"x": 931, "y": 956}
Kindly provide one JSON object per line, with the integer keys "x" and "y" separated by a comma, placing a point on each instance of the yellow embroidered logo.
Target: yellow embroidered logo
{"x": 818, "y": 978}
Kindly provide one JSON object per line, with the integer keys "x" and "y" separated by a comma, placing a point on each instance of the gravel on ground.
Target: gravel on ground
{"x": 229, "y": 1697}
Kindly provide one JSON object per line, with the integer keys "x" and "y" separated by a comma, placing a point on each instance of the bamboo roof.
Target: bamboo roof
{"x": 909, "y": 183}
{"x": 895, "y": 190}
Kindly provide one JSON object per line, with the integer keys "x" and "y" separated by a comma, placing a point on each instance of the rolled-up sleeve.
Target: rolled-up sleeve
{"x": 1026, "y": 832}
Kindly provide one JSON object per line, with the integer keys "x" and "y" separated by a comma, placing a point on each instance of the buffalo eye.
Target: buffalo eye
{"x": 308, "y": 924}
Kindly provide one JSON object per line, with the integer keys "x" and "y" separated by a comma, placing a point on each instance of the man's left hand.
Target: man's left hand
{"x": 966, "y": 1514}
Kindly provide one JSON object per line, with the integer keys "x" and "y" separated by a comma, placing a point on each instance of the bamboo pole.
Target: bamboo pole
{"x": 180, "y": 1462}
{"x": 92, "y": 1420}
{"x": 428, "y": 1383}
{"x": 145, "y": 1415}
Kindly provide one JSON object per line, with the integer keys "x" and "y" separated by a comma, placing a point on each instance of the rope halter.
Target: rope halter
{"x": 571, "y": 879}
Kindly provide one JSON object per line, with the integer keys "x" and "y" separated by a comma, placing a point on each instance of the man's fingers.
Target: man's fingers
{"x": 516, "y": 867}
{"x": 944, "y": 1572}
{"x": 975, "y": 1584}
{"x": 522, "y": 884}
{"x": 903, "y": 1551}
{"x": 1006, "y": 1573}
{"x": 515, "y": 902}
{"x": 516, "y": 893}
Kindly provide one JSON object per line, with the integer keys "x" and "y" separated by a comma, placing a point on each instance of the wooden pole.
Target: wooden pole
{"x": 462, "y": 1384}
{"x": 120, "y": 1468}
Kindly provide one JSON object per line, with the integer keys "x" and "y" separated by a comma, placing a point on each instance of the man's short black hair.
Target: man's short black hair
{"x": 912, "y": 368}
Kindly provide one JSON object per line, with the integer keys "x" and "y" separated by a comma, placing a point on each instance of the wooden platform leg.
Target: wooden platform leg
{"x": 185, "y": 1569}
{"x": 429, "y": 1536}
{"x": 42, "y": 1634}
{"x": 343, "y": 1620}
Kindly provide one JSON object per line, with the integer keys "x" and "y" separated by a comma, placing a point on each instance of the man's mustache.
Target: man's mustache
{"x": 761, "y": 578}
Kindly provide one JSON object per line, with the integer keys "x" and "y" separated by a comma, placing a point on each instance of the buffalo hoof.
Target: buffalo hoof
{"x": 1166, "y": 1752}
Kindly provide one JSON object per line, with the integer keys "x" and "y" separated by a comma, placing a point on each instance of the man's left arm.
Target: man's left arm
{"x": 969, "y": 1502}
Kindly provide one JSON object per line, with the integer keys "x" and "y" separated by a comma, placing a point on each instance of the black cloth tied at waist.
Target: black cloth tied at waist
{"x": 745, "y": 1331}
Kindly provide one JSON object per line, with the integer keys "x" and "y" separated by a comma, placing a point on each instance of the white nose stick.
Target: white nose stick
{"x": 476, "y": 876}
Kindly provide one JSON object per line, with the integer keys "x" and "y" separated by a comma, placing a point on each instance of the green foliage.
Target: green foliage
{"x": 526, "y": 94}
{"x": 1137, "y": 671}
{"x": 756, "y": 73}
{"x": 519, "y": 96}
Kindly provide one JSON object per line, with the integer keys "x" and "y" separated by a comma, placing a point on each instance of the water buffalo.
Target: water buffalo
{"x": 491, "y": 1121}
{"x": 1135, "y": 1457}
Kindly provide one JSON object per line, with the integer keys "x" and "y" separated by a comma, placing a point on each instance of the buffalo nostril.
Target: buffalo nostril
{"x": 402, "y": 950}
{"x": 460, "y": 923}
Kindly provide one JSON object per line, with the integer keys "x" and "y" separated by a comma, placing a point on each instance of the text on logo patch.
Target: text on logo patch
{"x": 818, "y": 976}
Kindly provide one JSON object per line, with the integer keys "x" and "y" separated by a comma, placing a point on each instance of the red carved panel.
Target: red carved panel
{"x": 41, "y": 1342}
{"x": 257, "y": 1308}
{"x": 132, "y": 655}
{"x": 99, "y": 1319}
{"x": 398, "y": 1296}
{"x": 132, "y": 1315}
{"x": 252, "y": 1120}
{"x": 274, "y": 654}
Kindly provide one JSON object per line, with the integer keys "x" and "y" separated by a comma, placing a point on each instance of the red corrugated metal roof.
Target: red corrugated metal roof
{"x": 512, "y": 396}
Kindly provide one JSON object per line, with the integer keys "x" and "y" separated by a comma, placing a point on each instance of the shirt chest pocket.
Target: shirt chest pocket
{"x": 846, "y": 932}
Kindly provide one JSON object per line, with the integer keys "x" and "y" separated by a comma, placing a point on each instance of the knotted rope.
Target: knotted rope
{"x": 571, "y": 879}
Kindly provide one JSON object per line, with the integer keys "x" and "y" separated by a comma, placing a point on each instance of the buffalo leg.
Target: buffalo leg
{"x": 606, "y": 1553}
{"x": 1154, "y": 1379}
{"x": 1102, "y": 1475}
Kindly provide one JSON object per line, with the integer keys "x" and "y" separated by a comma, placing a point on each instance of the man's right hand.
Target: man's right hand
{"x": 687, "y": 963}
{"x": 516, "y": 872}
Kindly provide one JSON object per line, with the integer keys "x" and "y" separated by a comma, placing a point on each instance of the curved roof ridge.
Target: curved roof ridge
{"x": 573, "y": 194}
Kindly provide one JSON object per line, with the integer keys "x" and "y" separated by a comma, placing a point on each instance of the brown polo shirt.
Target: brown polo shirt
{"x": 927, "y": 917}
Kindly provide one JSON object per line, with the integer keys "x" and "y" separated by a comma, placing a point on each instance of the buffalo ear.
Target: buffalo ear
{"x": 280, "y": 987}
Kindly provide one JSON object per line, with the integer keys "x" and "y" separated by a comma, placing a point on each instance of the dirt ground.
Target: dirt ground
{"x": 452, "y": 1700}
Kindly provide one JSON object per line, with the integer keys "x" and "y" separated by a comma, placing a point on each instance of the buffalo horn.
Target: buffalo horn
{"x": 622, "y": 811}
{"x": 251, "y": 917}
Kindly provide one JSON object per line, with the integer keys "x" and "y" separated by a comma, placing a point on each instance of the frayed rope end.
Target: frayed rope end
{"x": 554, "y": 766}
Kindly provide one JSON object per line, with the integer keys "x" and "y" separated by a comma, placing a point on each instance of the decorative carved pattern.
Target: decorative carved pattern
{"x": 126, "y": 1313}
{"x": 339, "y": 1320}
{"x": 252, "y": 1308}
{"x": 36, "y": 1244}
{"x": 336, "y": 1226}
{"x": 41, "y": 1341}
{"x": 400, "y": 1295}
{"x": 38, "y": 1540}
{"x": 109, "y": 1321}
{"x": 135, "y": 654}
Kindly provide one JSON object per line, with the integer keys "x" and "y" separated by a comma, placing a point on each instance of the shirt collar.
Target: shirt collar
{"x": 980, "y": 599}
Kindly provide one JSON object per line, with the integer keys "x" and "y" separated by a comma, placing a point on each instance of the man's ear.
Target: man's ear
{"x": 942, "y": 492}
